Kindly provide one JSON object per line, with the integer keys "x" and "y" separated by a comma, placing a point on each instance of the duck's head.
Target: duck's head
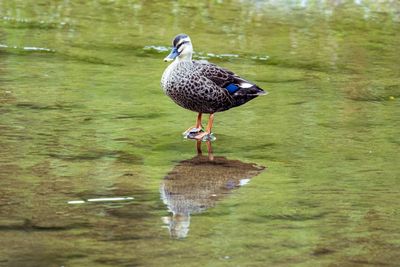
{"x": 182, "y": 48}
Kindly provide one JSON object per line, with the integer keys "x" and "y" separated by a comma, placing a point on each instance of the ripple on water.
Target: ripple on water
{"x": 101, "y": 199}
{"x": 157, "y": 49}
{"x": 28, "y": 225}
{"x": 15, "y": 48}
{"x": 120, "y": 156}
{"x": 287, "y": 217}
{"x": 37, "y": 106}
{"x": 22, "y": 23}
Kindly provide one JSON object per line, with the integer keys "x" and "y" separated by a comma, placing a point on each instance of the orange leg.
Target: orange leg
{"x": 196, "y": 128}
{"x": 208, "y": 129}
{"x": 198, "y": 122}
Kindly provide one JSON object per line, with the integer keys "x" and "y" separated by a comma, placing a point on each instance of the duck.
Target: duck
{"x": 203, "y": 87}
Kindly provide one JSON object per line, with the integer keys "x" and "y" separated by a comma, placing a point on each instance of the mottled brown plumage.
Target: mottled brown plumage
{"x": 201, "y": 86}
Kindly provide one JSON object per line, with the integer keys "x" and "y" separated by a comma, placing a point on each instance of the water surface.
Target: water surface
{"x": 82, "y": 117}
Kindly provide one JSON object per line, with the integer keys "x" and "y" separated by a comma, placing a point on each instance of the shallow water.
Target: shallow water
{"x": 82, "y": 117}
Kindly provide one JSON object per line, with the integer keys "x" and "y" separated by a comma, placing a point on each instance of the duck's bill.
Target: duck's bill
{"x": 174, "y": 53}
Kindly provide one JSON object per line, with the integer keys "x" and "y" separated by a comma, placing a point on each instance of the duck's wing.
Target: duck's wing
{"x": 228, "y": 80}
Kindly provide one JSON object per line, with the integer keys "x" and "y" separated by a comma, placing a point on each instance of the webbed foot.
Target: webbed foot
{"x": 205, "y": 136}
{"x": 192, "y": 132}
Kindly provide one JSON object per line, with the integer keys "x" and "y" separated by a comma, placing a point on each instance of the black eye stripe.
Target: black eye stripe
{"x": 179, "y": 45}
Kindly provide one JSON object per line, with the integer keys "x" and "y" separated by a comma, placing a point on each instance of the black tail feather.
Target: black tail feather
{"x": 244, "y": 95}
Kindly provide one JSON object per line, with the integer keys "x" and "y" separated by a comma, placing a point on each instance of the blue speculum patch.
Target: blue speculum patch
{"x": 232, "y": 88}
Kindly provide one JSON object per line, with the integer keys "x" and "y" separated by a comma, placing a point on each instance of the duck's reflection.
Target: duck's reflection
{"x": 197, "y": 184}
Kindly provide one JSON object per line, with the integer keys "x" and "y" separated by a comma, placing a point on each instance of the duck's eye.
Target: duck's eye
{"x": 179, "y": 45}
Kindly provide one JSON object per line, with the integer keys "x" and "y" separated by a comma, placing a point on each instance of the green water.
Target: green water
{"x": 82, "y": 116}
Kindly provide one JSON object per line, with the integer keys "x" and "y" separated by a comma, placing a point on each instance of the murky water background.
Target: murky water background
{"x": 82, "y": 117}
